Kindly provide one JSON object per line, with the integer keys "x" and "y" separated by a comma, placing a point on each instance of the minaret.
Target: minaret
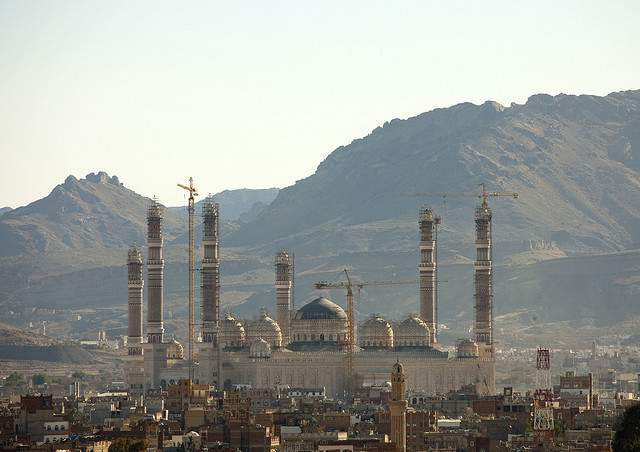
{"x": 284, "y": 263}
{"x": 135, "y": 285}
{"x": 210, "y": 363}
{"x": 483, "y": 279}
{"x": 427, "y": 269}
{"x": 155, "y": 356}
{"x": 398, "y": 408}
{"x": 134, "y": 364}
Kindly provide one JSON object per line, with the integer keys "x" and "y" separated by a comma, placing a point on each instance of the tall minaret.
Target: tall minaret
{"x": 155, "y": 353}
{"x": 210, "y": 363}
{"x": 398, "y": 408}
{"x": 483, "y": 279}
{"x": 210, "y": 271}
{"x": 284, "y": 263}
{"x": 135, "y": 285}
{"x": 134, "y": 364}
{"x": 427, "y": 269}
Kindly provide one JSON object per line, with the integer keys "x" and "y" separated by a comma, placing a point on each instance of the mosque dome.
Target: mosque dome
{"x": 260, "y": 349}
{"x": 175, "y": 350}
{"x": 376, "y": 332}
{"x": 266, "y": 328}
{"x": 466, "y": 348}
{"x": 232, "y": 332}
{"x": 321, "y": 324}
{"x": 412, "y": 332}
{"x": 321, "y": 309}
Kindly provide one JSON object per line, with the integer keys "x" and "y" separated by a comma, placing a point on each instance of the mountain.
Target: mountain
{"x": 4, "y": 210}
{"x": 82, "y": 223}
{"x": 574, "y": 160}
{"x": 237, "y": 204}
{"x": 568, "y": 244}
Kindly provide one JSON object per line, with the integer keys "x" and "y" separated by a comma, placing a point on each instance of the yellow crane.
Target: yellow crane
{"x": 192, "y": 270}
{"x": 349, "y": 285}
{"x": 484, "y": 195}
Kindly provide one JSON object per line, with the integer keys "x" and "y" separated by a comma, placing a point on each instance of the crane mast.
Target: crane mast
{"x": 192, "y": 271}
{"x": 351, "y": 342}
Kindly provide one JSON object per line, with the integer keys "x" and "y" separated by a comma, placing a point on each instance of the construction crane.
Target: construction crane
{"x": 484, "y": 195}
{"x": 192, "y": 271}
{"x": 349, "y": 285}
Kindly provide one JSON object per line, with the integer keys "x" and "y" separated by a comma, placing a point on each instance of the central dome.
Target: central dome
{"x": 320, "y": 309}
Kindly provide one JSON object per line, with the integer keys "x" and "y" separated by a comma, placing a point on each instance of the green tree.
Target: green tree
{"x": 627, "y": 437}
{"x": 78, "y": 375}
{"x": 14, "y": 379}
{"x": 39, "y": 379}
{"x": 127, "y": 445}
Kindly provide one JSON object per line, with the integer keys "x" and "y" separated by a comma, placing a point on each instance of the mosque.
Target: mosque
{"x": 308, "y": 347}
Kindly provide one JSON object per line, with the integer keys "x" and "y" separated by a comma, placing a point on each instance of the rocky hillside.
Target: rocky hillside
{"x": 86, "y": 225}
{"x": 568, "y": 244}
{"x": 574, "y": 160}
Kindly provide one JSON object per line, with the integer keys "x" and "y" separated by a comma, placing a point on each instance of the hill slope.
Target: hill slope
{"x": 573, "y": 159}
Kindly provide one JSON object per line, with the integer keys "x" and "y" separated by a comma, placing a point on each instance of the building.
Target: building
{"x": 309, "y": 347}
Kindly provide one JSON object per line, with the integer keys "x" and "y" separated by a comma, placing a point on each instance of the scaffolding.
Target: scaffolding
{"x": 428, "y": 223}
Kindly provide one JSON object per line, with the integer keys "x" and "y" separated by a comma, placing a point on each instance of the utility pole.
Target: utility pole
{"x": 192, "y": 270}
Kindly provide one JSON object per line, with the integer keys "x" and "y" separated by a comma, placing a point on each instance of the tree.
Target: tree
{"x": 127, "y": 445}
{"x": 627, "y": 437}
{"x": 39, "y": 379}
{"x": 14, "y": 379}
{"x": 78, "y": 375}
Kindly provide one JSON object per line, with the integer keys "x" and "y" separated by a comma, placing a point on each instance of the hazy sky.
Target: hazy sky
{"x": 256, "y": 94}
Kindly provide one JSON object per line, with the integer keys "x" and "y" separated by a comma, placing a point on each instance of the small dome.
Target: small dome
{"x": 175, "y": 350}
{"x": 376, "y": 332}
{"x": 320, "y": 309}
{"x": 412, "y": 332}
{"x": 466, "y": 348}
{"x": 232, "y": 332}
{"x": 266, "y": 328}
{"x": 260, "y": 349}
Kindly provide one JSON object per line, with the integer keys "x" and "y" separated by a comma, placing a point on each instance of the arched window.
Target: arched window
{"x": 48, "y": 427}
{"x": 56, "y": 427}
{"x": 322, "y": 337}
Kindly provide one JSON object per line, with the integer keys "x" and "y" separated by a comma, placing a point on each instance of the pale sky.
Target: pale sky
{"x": 256, "y": 94}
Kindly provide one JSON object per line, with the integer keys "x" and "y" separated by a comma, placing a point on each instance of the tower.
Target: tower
{"x": 427, "y": 269}
{"x": 135, "y": 285}
{"x": 155, "y": 356}
{"x": 543, "y": 396}
{"x": 398, "y": 408}
{"x": 210, "y": 348}
{"x": 483, "y": 278}
{"x": 284, "y": 265}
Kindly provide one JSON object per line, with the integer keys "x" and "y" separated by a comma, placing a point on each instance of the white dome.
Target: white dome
{"x": 466, "y": 348}
{"x": 260, "y": 349}
{"x": 232, "y": 332}
{"x": 412, "y": 332}
{"x": 376, "y": 332}
{"x": 175, "y": 350}
{"x": 266, "y": 328}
